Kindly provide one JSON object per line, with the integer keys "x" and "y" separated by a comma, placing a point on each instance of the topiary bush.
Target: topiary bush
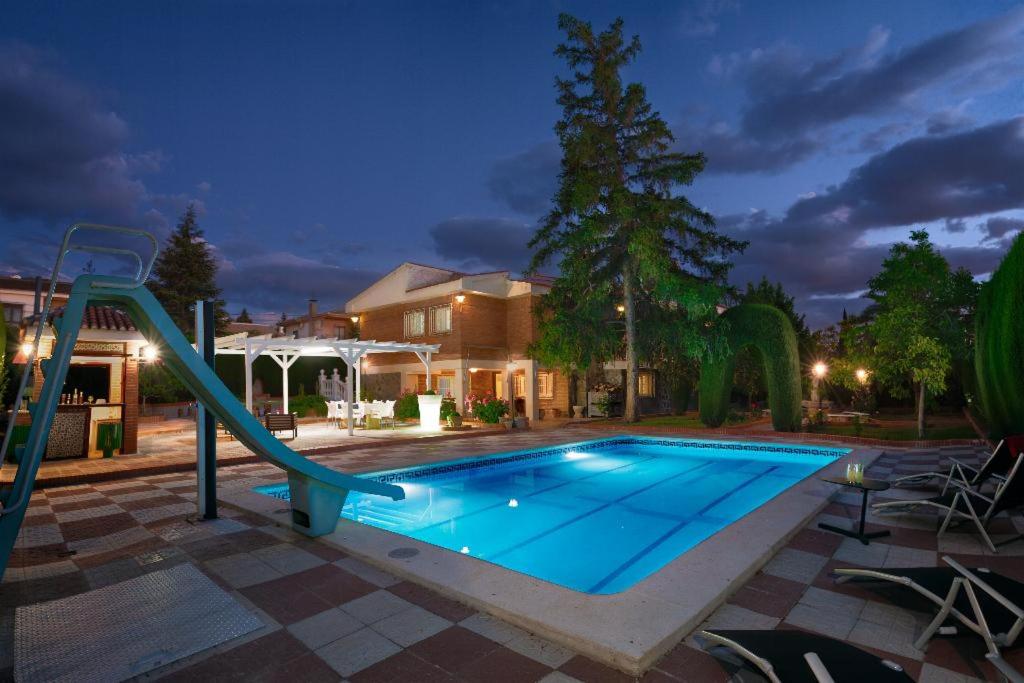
{"x": 448, "y": 407}
{"x": 408, "y": 407}
{"x": 999, "y": 351}
{"x": 767, "y": 329}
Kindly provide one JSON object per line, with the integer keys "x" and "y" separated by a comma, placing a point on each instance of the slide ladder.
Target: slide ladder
{"x": 317, "y": 492}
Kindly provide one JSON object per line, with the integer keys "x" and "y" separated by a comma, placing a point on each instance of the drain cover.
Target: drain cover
{"x": 403, "y": 553}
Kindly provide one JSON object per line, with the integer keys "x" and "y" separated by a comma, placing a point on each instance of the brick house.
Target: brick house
{"x": 484, "y": 323}
{"x": 326, "y": 324}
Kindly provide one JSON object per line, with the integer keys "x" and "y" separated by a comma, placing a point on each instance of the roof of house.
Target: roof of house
{"x": 101, "y": 318}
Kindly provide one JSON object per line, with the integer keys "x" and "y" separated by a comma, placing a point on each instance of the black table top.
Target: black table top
{"x": 867, "y": 484}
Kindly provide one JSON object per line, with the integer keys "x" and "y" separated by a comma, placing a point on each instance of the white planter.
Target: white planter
{"x": 430, "y": 412}
{"x": 577, "y": 412}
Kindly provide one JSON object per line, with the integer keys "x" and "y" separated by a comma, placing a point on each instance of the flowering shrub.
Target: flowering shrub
{"x": 489, "y": 409}
{"x": 448, "y": 407}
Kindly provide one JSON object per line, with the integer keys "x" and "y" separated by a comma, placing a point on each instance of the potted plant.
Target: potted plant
{"x": 430, "y": 410}
{"x": 454, "y": 420}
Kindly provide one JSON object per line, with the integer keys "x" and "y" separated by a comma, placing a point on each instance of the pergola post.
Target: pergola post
{"x": 248, "y": 375}
{"x": 424, "y": 357}
{"x": 348, "y": 394}
{"x": 359, "y": 379}
{"x": 285, "y": 362}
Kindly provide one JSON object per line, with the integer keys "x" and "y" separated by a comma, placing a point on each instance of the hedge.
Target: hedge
{"x": 768, "y": 330}
{"x": 999, "y": 354}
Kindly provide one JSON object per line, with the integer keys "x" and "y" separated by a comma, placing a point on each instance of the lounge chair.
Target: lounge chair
{"x": 995, "y": 467}
{"x": 964, "y": 503}
{"x": 797, "y": 656}
{"x": 987, "y": 603}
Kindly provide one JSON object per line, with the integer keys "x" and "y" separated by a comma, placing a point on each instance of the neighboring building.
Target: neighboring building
{"x": 252, "y": 329}
{"x": 329, "y": 324}
{"x": 18, "y": 296}
{"x": 484, "y": 324}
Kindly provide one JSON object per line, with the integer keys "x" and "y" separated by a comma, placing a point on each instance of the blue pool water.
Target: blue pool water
{"x": 594, "y": 516}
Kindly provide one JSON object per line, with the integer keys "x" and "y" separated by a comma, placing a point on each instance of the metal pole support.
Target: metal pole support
{"x": 206, "y": 423}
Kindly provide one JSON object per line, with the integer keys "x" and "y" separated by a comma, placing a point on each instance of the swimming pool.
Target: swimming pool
{"x": 595, "y": 516}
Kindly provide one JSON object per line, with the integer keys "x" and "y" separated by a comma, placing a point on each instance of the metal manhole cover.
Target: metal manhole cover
{"x": 403, "y": 553}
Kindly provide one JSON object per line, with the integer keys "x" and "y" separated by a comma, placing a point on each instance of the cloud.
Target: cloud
{"x": 526, "y": 182}
{"x": 701, "y": 18}
{"x": 254, "y": 277}
{"x": 828, "y": 91}
{"x": 949, "y": 120}
{"x": 484, "y": 242}
{"x": 62, "y": 150}
{"x": 730, "y": 151}
{"x": 956, "y": 225}
{"x": 998, "y": 227}
{"x": 818, "y": 246}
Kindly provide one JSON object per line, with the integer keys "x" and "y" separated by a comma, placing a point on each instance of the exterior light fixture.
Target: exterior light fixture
{"x": 862, "y": 375}
{"x": 474, "y": 370}
{"x": 460, "y": 298}
{"x": 150, "y": 353}
{"x": 513, "y": 503}
{"x": 26, "y": 348}
{"x": 355, "y": 318}
{"x": 819, "y": 370}
{"x": 620, "y": 308}
{"x": 465, "y": 550}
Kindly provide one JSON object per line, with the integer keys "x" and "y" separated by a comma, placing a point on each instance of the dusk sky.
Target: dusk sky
{"x": 324, "y": 143}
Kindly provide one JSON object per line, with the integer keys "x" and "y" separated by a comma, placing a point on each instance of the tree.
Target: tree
{"x": 185, "y": 272}
{"x": 244, "y": 317}
{"x": 921, "y": 322}
{"x": 627, "y": 241}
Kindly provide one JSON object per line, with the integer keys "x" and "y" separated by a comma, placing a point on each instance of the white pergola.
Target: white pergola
{"x": 286, "y": 350}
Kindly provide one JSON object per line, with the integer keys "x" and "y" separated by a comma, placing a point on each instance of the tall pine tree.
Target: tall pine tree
{"x": 186, "y": 272}
{"x": 624, "y": 235}
{"x": 244, "y": 316}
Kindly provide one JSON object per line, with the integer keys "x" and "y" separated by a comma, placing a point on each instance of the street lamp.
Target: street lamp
{"x": 819, "y": 371}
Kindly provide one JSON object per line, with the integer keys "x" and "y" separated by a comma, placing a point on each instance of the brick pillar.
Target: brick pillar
{"x": 130, "y": 396}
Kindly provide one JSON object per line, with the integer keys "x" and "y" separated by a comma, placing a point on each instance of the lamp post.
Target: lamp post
{"x": 819, "y": 370}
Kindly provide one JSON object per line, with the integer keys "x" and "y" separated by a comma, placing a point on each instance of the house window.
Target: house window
{"x": 646, "y": 381}
{"x": 545, "y": 385}
{"x": 441, "y": 319}
{"x": 339, "y": 331}
{"x": 519, "y": 384}
{"x": 12, "y": 313}
{"x": 415, "y": 323}
{"x": 444, "y": 384}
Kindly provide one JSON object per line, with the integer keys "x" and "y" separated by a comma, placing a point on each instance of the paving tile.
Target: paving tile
{"x": 826, "y": 612}
{"x": 402, "y": 667}
{"x": 541, "y": 650}
{"x": 334, "y": 585}
{"x": 889, "y": 628}
{"x": 796, "y": 565}
{"x": 288, "y": 559}
{"x": 815, "y": 541}
{"x": 686, "y": 663}
{"x": 491, "y": 627}
{"x": 934, "y": 674}
{"x": 453, "y": 648}
{"x": 410, "y": 626}
{"x": 372, "y": 607}
{"x": 242, "y": 570}
{"x": 503, "y": 665}
{"x": 852, "y": 550}
{"x": 325, "y": 627}
{"x": 367, "y": 572}
{"x": 586, "y": 669}
{"x": 285, "y": 600}
{"x": 357, "y": 651}
{"x": 899, "y": 556}
{"x": 429, "y": 600}
{"x": 767, "y": 594}
{"x": 558, "y": 677}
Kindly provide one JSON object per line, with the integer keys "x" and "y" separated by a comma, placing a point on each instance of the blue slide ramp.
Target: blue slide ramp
{"x": 317, "y": 492}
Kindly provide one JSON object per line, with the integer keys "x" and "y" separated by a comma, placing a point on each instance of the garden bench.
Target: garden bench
{"x": 282, "y": 422}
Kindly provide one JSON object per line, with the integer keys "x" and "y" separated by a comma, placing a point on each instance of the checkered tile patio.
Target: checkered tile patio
{"x": 330, "y": 617}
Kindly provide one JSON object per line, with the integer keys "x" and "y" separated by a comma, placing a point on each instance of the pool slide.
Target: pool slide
{"x": 317, "y": 492}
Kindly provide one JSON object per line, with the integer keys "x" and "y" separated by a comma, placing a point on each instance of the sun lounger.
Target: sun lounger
{"x": 962, "y": 504}
{"x": 799, "y": 657}
{"x": 989, "y": 604}
{"x": 995, "y": 467}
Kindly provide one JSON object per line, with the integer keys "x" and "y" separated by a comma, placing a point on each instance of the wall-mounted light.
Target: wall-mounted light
{"x": 355, "y": 318}
{"x": 620, "y": 308}
{"x": 150, "y": 353}
{"x": 460, "y": 298}
{"x": 819, "y": 370}
{"x": 862, "y": 375}
{"x": 474, "y": 370}
{"x": 26, "y": 348}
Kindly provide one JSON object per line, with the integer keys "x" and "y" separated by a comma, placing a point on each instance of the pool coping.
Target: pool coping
{"x": 629, "y": 630}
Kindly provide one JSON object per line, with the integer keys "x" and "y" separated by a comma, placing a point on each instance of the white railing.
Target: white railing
{"x": 332, "y": 387}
